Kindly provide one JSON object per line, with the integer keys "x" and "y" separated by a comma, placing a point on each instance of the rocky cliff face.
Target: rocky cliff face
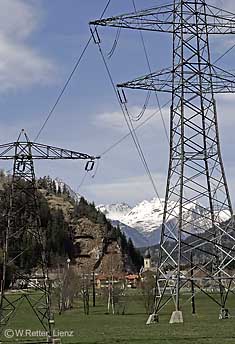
{"x": 88, "y": 244}
{"x": 91, "y": 248}
{"x": 93, "y": 251}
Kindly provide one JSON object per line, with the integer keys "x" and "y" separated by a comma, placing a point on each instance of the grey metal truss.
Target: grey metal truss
{"x": 197, "y": 194}
{"x": 24, "y": 189}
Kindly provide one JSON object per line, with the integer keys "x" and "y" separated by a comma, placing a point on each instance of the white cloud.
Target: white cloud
{"x": 20, "y": 64}
{"x": 220, "y": 45}
{"x": 228, "y": 5}
{"x": 18, "y": 18}
{"x": 115, "y": 120}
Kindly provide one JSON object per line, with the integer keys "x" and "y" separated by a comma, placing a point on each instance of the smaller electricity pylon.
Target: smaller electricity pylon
{"x": 24, "y": 232}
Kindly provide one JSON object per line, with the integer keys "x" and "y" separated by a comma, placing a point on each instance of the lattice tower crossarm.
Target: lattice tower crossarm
{"x": 197, "y": 199}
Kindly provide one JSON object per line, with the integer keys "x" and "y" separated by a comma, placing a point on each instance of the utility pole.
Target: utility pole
{"x": 93, "y": 289}
{"x": 23, "y": 186}
{"x": 196, "y": 182}
{"x": 192, "y": 285}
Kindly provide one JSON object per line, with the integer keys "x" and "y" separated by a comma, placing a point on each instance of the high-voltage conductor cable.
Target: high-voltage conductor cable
{"x": 150, "y": 71}
{"x": 86, "y": 174}
{"x": 127, "y": 120}
{"x": 107, "y": 150}
{"x": 225, "y": 53}
{"x": 69, "y": 78}
{"x": 118, "y": 142}
{"x": 82, "y": 181}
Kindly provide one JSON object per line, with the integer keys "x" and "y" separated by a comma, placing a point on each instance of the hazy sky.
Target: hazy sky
{"x": 40, "y": 41}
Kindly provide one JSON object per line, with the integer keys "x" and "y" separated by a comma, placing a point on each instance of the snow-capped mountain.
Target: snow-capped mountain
{"x": 146, "y": 217}
{"x": 115, "y": 211}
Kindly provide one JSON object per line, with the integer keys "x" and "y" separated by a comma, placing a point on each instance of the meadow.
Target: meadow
{"x": 99, "y": 327}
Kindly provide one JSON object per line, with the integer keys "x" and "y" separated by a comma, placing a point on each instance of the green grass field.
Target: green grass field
{"x": 98, "y": 327}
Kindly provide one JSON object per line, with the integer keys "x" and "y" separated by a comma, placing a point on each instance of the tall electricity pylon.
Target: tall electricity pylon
{"x": 24, "y": 224}
{"x": 197, "y": 248}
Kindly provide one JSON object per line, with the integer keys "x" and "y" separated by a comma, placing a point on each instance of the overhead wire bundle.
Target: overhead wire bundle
{"x": 127, "y": 115}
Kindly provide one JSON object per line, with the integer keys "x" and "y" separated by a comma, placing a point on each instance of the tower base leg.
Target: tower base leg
{"x": 153, "y": 318}
{"x": 56, "y": 341}
{"x": 176, "y": 317}
{"x": 224, "y": 314}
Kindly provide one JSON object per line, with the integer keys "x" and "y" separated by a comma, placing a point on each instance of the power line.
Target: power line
{"x": 63, "y": 89}
{"x": 128, "y": 121}
{"x": 69, "y": 78}
{"x": 150, "y": 71}
{"x": 115, "y": 144}
{"x": 132, "y": 131}
{"x": 136, "y": 128}
{"x": 82, "y": 181}
{"x": 79, "y": 60}
{"x": 137, "y": 117}
{"x": 224, "y": 54}
{"x": 126, "y": 113}
{"x": 115, "y": 43}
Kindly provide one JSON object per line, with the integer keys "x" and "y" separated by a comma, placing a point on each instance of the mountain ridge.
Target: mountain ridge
{"x": 146, "y": 218}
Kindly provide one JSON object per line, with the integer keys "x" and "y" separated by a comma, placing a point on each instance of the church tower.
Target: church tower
{"x": 147, "y": 260}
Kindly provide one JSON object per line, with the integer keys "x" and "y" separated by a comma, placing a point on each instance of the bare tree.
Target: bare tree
{"x": 65, "y": 287}
{"x": 86, "y": 284}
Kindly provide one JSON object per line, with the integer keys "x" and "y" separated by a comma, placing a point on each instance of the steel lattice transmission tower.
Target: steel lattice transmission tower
{"x": 199, "y": 244}
{"x": 23, "y": 190}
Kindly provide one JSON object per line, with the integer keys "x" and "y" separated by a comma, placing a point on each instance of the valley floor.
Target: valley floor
{"x": 101, "y": 328}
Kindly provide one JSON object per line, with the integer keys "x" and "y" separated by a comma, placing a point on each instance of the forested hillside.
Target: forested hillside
{"x": 64, "y": 220}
